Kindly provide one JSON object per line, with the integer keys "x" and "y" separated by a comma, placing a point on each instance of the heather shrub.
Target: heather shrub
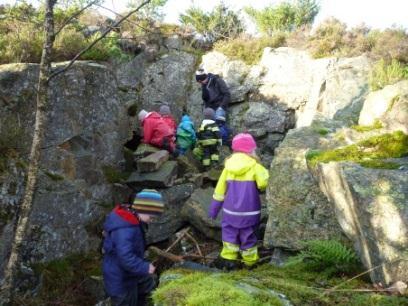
{"x": 285, "y": 16}
{"x": 68, "y": 43}
{"x": 390, "y": 44}
{"x": 220, "y": 23}
{"x": 328, "y": 38}
{"x": 384, "y": 73}
{"x": 22, "y": 42}
{"x": 247, "y": 49}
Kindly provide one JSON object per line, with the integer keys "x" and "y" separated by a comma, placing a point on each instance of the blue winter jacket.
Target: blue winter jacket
{"x": 123, "y": 248}
{"x": 186, "y": 135}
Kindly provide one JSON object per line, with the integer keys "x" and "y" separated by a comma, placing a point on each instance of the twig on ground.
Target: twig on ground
{"x": 168, "y": 255}
{"x": 196, "y": 244}
{"x": 182, "y": 233}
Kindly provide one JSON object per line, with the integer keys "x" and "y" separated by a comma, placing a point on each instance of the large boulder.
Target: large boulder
{"x": 171, "y": 220}
{"x": 86, "y": 127}
{"x": 330, "y": 87}
{"x": 195, "y": 211}
{"x": 389, "y": 106}
{"x": 167, "y": 80}
{"x": 371, "y": 206}
{"x": 298, "y": 210}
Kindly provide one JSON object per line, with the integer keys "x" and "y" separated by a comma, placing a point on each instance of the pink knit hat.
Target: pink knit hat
{"x": 244, "y": 143}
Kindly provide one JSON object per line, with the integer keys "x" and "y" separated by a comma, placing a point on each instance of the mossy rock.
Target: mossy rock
{"x": 265, "y": 285}
{"x": 368, "y": 152}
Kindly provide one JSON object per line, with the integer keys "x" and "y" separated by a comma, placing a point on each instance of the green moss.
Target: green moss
{"x": 209, "y": 289}
{"x": 63, "y": 281}
{"x": 112, "y": 175}
{"x": 12, "y": 136}
{"x": 385, "y": 146}
{"x": 132, "y": 110}
{"x": 379, "y": 164}
{"x": 365, "y": 128}
{"x": 391, "y": 105}
{"x": 322, "y": 131}
{"x": 53, "y": 176}
{"x": 300, "y": 285}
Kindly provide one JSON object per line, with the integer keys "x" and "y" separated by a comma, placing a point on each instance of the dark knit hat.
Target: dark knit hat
{"x": 200, "y": 75}
{"x": 209, "y": 113}
{"x": 148, "y": 201}
{"x": 164, "y": 110}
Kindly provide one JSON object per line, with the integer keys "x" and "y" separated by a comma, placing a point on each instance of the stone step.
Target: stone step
{"x": 153, "y": 161}
{"x": 163, "y": 177}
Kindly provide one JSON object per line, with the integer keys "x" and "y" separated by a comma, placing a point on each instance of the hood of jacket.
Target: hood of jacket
{"x": 120, "y": 218}
{"x": 186, "y": 118}
{"x": 239, "y": 163}
{"x": 154, "y": 115}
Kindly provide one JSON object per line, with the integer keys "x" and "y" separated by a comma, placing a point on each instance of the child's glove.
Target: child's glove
{"x": 214, "y": 209}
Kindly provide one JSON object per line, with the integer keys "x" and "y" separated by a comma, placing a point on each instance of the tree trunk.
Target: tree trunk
{"x": 45, "y": 76}
{"x": 35, "y": 154}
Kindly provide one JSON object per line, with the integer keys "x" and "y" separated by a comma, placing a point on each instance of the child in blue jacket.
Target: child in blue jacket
{"x": 225, "y": 131}
{"x": 127, "y": 276}
{"x": 186, "y": 135}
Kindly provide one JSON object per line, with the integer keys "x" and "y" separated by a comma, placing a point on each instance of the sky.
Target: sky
{"x": 374, "y": 13}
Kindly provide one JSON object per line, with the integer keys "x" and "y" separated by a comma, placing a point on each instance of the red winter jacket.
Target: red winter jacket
{"x": 155, "y": 129}
{"x": 170, "y": 122}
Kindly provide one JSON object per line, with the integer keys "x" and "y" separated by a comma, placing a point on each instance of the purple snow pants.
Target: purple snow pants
{"x": 244, "y": 237}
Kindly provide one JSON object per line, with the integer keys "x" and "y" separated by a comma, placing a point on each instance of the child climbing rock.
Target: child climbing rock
{"x": 237, "y": 193}
{"x": 186, "y": 135}
{"x": 156, "y": 131}
{"x": 225, "y": 131}
{"x": 127, "y": 276}
{"x": 168, "y": 117}
{"x": 208, "y": 139}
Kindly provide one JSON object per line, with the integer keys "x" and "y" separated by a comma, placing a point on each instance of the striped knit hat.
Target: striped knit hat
{"x": 148, "y": 201}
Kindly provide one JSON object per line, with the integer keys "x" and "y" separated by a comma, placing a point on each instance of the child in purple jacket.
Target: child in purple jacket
{"x": 237, "y": 194}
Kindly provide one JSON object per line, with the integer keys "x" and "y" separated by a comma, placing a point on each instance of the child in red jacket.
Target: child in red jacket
{"x": 156, "y": 131}
{"x": 168, "y": 118}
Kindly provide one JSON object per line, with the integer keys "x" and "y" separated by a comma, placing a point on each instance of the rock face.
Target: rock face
{"x": 167, "y": 224}
{"x": 371, "y": 206}
{"x": 389, "y": 106}
{"x": 298, "y": 210}
{"x": 328, "y": 88}
{"x": 196, "y": 212}
{"x": 85, "y": 132}
{"x": 168, "y": 80}
{"x": 332, "y": 88}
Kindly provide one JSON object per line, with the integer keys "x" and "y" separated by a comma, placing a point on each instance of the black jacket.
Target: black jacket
{"x": 215, "y": 93}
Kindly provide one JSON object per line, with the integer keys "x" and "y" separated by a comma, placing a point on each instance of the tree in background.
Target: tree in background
{"x": 285, "y": 16}
{"x": 151, "y": 11}
{"x": 220, "y": 23}
{"x": 46, "y": 74}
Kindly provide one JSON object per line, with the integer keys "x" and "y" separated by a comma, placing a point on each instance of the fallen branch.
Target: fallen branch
{"x": 196, "y": 243}
{"x": 168, "y": 255}
{"x": 358, "y": 275}
{"x": 182, "y": 234}
{"x": 174, "y": 257}
{"x": 194, "y": 256}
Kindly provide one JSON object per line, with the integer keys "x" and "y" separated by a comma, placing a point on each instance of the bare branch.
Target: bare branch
{"x": 106, "y": 32}
{"x": 120, "y": 15}
{"x": 195, "y": 242}
{"x": 75, "y": 15}
{"x": 181, "y": 235}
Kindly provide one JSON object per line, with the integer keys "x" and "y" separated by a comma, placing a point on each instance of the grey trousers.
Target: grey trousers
{"x": 137, "y": 296}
